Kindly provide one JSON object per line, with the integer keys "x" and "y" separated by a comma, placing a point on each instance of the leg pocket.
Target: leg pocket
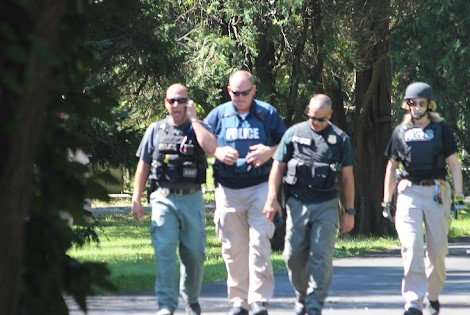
{"x": 217, "y": 224}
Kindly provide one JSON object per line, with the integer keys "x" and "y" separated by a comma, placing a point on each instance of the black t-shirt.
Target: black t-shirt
{"x": 285, "y": 152}
{"x": 396, "y": 151}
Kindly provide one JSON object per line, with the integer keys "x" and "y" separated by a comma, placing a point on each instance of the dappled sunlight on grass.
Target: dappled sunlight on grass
{"x": 347, "y": 246}
{"x": 126, "y": 247}
{"x": 460, "y": 227}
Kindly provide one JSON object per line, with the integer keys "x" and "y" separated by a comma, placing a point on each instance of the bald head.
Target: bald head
{"x": 319, "y": 112}
{"x": 241, "y": 75}
{"x": 320, "y": 101}
{"x": 176, "y": 88}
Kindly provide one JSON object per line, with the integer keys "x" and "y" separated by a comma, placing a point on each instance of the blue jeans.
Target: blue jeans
{"x": 310, "y": 238}
{"x": 178, "y": 221}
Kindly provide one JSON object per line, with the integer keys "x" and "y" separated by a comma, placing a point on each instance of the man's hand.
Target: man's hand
{"x": 191, "y": 110}
{"x": 137, "y": 210}
{"x": 271, "y": 207}
{"x": 346, "y": 223}
{"x": 387, "y": 211}
{"x": 227, "y": 155}
{"x": 258, "y": 155}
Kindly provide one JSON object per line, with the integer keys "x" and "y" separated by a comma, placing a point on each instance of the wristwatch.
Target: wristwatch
{"x": 350, "y": 211}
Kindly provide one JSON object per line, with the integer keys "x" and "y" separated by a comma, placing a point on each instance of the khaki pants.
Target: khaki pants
{"x": 424, "y": 246}
{"x": 244, "y": 232}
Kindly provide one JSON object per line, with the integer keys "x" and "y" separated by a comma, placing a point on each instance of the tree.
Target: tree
{"x": 19, "y": 121}
{"x": 43, "y": 95}
{"x": 372, "y": 123}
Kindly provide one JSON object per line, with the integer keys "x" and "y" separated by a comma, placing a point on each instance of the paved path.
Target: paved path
{"x": 361, "y": 285}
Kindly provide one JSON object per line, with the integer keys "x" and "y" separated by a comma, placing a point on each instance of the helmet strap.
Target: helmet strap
{"x": 419, "y": 116}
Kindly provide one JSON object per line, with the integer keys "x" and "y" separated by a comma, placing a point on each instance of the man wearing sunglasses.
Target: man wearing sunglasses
{"x": 247, "y": 132}
{"x": 422, "y": 143}
{"x": 174, "y": 151}
{"x": 312, "y": 156}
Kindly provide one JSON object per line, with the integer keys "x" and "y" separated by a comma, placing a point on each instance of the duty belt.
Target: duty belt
{"x": 424, "y": 182}
{"x": 177, "y": 191}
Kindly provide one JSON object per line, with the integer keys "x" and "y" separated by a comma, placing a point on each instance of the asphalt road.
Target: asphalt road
{"x": 361, "y": 285}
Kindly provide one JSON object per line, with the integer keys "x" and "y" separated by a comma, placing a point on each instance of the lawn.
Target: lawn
{"x": 125, "y": 247}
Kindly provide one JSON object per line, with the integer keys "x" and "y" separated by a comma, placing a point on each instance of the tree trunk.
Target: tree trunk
{"x": 264, "y": 65}
{"x": 318, "y": 40}
{"x": 293, "y": 106}
{"x": 22, "y": 105}
{"x": 335, "y": 92}
{"x": 372, "y": 115}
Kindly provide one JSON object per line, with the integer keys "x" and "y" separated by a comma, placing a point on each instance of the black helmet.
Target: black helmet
{"x": 417, "y": 90}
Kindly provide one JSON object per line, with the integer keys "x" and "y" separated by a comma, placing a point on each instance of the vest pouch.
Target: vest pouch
{"x": 294, "y": 166}
{"x": 173, "y": 167}
{"x": 322, "y": 176}
{"x": 201, "y": 173}
{"x": 189, "y": 169}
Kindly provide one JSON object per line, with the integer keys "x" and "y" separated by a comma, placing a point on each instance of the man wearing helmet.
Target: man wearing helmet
{"x": 422, "y": 143}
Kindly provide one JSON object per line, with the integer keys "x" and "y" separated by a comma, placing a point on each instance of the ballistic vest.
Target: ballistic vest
{"x": 177, "y": 157}
{"x": 241, "y": 133}
{"x": 315, "y": 162}
{"x": 423, "y": 151}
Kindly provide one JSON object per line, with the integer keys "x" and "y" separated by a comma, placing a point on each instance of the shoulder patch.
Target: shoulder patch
{"x": 332, "y": 139}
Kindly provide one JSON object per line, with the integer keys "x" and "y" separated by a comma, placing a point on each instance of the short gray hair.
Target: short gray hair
{"x": 241, "y": 73}
{"x": 320, "y": 100}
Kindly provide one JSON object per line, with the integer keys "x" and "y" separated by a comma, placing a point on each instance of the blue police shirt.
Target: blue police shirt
{"x": 263, "y": 124}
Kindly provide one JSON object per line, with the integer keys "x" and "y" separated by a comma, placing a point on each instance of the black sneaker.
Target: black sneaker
{"x": 434, "y": 307}
{"x": 193, "y": 309}
{"x": 259, "y": 308}
{"x": 413, "y": 311}
{"x": 237, "y": 310}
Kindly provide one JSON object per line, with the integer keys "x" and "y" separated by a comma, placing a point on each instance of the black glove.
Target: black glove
{"x": 387, "y": 211}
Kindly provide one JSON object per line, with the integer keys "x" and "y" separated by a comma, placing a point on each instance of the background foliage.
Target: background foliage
{"x": 294, "y": 48}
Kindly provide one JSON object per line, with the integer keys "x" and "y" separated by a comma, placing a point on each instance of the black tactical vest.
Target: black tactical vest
{"x": 315, "y": 162}
{"x": 177, "y": 157}
{"x": 423, "y": 151}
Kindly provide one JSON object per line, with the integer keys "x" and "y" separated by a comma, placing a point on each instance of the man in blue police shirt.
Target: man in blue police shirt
{"x": 247, "y": 131}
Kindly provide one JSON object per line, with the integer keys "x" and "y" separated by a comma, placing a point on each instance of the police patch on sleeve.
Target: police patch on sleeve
{"x": 332, "y": 139}
{"x": 430, "y": 134}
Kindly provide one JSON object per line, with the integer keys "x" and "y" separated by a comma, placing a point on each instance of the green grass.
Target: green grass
{"x": 461, "y": 226}
{"x": 126, "y": 248}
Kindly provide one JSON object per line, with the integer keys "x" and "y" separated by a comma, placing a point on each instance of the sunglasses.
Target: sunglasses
{"x": 413, "y": 103}
{"x": 319, "y": 119}
{"x": 244, "y": 93}
{"x": 181, "y": 100}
